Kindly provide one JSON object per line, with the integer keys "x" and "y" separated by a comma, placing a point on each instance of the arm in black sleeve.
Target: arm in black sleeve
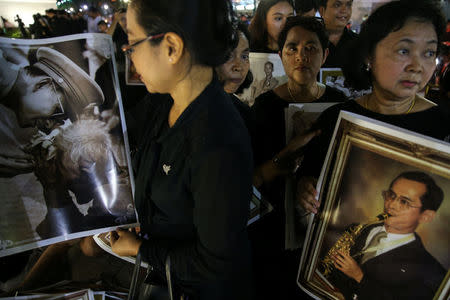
{"x": 220, "y": 183}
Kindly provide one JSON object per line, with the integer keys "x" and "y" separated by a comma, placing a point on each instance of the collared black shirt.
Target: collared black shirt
{"x": 193, "y": 188}
{"x": 337, "y": 53}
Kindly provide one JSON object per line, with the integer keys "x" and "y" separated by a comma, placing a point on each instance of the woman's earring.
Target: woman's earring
{"x": 368, "y": 67}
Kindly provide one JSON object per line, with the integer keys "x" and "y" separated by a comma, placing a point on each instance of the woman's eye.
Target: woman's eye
{"x": 430, "y": 53}
{"x": 245, "y": 57}
{"x": 278, "y": 19}
{"x": 403, "y": 51}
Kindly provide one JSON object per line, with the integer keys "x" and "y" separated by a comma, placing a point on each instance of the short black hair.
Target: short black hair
{"x": 303, "y": 6}
{"x": 434, "y": 195}
{"x": 388, "y": 18}
{"x": 101, "y": 22}
{"x": 206, "y": 27}
{"x": 312, "y": 24}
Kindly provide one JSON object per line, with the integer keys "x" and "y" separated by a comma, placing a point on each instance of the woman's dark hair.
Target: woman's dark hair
{"x": 312, "y": 24}
{"x": 258, "y": 25}
{"x": 249, "y": 77}
{"x": 386, "y": 19}
{"x": 206, "y": 27}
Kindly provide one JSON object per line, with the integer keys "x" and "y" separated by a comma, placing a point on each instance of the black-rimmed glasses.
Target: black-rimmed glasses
{"x": 128, "y": 49}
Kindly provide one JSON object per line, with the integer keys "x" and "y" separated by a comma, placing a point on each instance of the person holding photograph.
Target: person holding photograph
{"x": 267, "y": 23}
{"x": 396, "y": 56}
{"x": 394, "y": 248}
{"x": 303, "y": 49}
{"x": 194, "y": 162}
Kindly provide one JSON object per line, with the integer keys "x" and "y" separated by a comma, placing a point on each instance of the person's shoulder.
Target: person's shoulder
{"x": 265, "y": 99}
{"x": 333, "y": 95}
{"x": 350, "y": 34}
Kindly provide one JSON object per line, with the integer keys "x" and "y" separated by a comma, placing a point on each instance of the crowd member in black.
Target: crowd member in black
{"x": 306, "y": 8}
{"x": 235, "y": 74}
{"x": 336, "y": 14}
{"x": 266, "y": 24}
{"x": 194, "y": 162}
{"x": 131, "y": 94}
{"x": 397, "y": 48}
{"x": 40, "y": 28}
{"x": 303, "y": 43}
{"x": 118, "y": 31}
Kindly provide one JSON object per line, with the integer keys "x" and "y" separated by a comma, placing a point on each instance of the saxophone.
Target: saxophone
{"x": 345, "y": 242}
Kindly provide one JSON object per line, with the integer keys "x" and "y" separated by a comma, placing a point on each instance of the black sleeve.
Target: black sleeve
{"x": 316, "y": 150}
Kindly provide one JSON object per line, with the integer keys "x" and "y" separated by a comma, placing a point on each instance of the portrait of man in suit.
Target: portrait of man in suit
{"x": 388, "y": 259}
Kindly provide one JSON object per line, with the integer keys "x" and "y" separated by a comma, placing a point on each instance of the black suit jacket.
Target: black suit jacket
{"x": 406, "y": 272}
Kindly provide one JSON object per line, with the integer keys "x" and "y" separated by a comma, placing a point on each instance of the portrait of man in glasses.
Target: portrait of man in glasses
{"x": 389, "y": 260}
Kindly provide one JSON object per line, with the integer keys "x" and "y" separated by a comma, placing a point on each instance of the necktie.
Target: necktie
{"x": 373, "y": 243}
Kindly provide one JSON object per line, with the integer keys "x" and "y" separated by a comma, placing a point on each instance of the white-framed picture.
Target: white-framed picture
{"x": 65, "y": 168}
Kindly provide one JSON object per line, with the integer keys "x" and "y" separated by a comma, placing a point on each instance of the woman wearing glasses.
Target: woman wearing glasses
{"x": 193, "y": 163}
{"x": 396, "y": 56}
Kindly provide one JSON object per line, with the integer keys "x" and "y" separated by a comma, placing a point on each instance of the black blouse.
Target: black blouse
{"x": 193, "y": 188}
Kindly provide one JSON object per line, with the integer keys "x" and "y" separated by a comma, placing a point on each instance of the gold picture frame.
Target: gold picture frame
{"x": 363, "y": 158}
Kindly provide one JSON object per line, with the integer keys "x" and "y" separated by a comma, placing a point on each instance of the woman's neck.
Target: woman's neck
{"x": 272, "y": 44}
{"x": 379, "y": 103}
{"x": 188, "y": 89}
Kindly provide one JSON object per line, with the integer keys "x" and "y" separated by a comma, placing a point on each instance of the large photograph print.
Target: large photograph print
{"x": 64, "y": 163}
{"x": 382, "y": 232}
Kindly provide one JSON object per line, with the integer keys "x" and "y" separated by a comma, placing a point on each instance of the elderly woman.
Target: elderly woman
{"x": 396, "y": 56}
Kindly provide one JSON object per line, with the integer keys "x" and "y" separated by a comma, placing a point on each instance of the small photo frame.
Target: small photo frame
{"x": 268, "y": 73}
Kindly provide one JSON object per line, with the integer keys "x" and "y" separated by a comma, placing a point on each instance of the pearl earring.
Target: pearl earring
{"x": 368, "y": 67}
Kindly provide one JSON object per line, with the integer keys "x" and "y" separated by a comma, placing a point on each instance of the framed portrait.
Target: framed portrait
{"x": 268, "y": 73}
{"x": 131, "y": 76}
{"x": 334, "y": 77}
{"x": 298, "y": 120}
{"x": 383, "y": 225}
{"x": 65, "y": 168}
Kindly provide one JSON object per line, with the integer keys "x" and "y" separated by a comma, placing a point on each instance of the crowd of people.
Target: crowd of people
{"x": 199, "y": 149}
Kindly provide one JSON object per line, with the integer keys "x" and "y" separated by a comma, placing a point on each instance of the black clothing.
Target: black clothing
{"x": 193, "y": 189}
{"x": 263, "y": 49}
{"x": 244, "y": 111}
{"x": 406, "y": 272}
{"x": 119, "y": 38}
{"x": 272, "y": 262}
{"x": 433, "y": 122}
{"x": 337, "y": 54}
{"x": 268, "y": 113}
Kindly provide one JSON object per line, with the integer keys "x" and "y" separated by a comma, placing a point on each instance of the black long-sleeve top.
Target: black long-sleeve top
{"x": 193, "y": 188}
{"x": 433, "y": 122}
